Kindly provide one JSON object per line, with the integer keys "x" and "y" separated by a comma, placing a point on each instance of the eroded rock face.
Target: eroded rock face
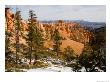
{"x": 9, "y": 18}
{"x": 72, "y": 33}
{"x": 69, "y": 30}
{"x": 76, "y": 46}
{"x": 10, "y": 21}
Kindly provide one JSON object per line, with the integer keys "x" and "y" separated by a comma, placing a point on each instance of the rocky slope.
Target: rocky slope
{"x": 72, "y": 33}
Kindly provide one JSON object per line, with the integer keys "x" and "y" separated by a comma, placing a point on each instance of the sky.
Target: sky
{"x": 92, "y": 13}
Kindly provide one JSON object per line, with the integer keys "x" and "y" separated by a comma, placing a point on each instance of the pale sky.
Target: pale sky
{"x": 92, "y": 13}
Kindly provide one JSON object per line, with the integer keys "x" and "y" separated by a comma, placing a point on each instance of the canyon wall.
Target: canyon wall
{"x": 72, "y": 33}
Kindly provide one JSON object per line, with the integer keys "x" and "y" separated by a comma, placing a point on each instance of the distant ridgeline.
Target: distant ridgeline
{"x": 72, "y": 33}
{"x": 90, "y": 25}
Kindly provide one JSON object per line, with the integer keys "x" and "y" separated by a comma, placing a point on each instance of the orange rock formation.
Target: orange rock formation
{"x": 72, "y": 33}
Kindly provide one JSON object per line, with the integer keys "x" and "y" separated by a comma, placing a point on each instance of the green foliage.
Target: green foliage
{"x": 56, "y": 35}
{"x": 99, "y": 40}
{"x": 9, "y": 59}
{"x": 57, "y": 42}
{"x": 69, "y": 54}
{"x": 45, "y": 54}
{"x": 99, "y": 47}
{"x": 90, "y": 61}
{"x": 94, "y": 54}
{"x": 34, "y": 37}
{"x": 84, "y": 60}
{"x": 17, "y": 34}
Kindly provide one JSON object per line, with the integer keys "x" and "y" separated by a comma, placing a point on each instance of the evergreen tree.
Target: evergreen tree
{"x": 17, "y": 33}
{"x": 38, "y": 41}
{"x": 69, "y": 54}
{"x": 35, "y": 36}
{"x": 8, "y": 52}
{"x": 84, "y": 60}
{"x": 57, "y": 41}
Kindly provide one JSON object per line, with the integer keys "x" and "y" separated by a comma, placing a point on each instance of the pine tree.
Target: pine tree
{"x": 8, "y": 51}
{"x": 57, "y": 41}
{"x": 69, "y": 54}
{"x": 35, "y": 35}
{"x": 17, "y": 33}
{"x": 38, "y": 40}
